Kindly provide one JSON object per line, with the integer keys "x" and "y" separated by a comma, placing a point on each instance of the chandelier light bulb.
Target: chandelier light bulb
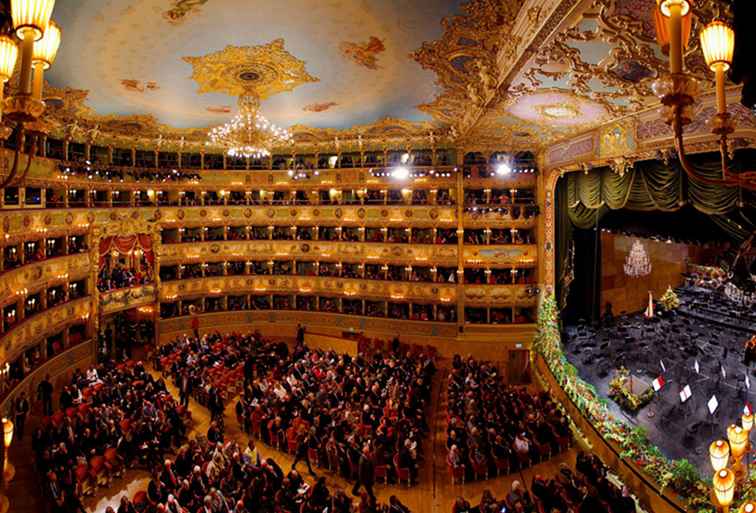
{"x": 718, "y": 44}
{"x": 31, "y": 14}
{"x": 666, "y": 5}
{"x": 46, "y": 49}
{"x": 8, "y": 57}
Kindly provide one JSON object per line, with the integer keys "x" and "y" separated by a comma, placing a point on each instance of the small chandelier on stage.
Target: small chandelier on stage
{"x": 637, "y": 263}
{"x": 249, "y": 134}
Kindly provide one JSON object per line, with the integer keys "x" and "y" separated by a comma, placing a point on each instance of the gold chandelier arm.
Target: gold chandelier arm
{"x": 745, "y": 180}
{"x": 32, "y": 154}
{"x": 14, "y": 168}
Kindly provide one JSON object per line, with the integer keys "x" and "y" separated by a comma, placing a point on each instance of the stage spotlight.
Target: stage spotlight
{"x": 503, "y": 169}
{"x": 400, "y": 173}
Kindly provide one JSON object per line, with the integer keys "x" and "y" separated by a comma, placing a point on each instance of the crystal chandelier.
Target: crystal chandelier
{"x": 637, "y": 263}
{"x": 249, "y": 134}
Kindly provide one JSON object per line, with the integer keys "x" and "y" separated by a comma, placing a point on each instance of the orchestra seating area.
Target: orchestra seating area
{"x": 339, "y": 405}
{"x": 495, "y": 428}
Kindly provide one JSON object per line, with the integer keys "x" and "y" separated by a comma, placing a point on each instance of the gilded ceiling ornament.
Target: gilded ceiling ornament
{"x": 236, "y": 70}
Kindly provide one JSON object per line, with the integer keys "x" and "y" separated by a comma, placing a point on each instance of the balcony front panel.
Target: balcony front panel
{"x": 496, "y": 220}
{"x": 501, "y": 256}
{"x": 124, "y": 299}
{"x": 41, "y": 325}
{"x": 239, "y": 321}
{"x": 311, "y": 286}
{"x": 42, "y": 223}
{"x": 318, "y": 215}
{"x": 45, "y": 273}
{"x": 348, "y": 252}
{"x": 499, "y": 295}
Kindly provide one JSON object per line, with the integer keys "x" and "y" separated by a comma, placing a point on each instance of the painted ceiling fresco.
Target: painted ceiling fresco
{"x": 133, "y": 56}
{"x": 498, "y": 73}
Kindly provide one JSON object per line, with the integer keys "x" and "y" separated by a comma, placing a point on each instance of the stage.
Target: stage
{"x": 708, "y": 329}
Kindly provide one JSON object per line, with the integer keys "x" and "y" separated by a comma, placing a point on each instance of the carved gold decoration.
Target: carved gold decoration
{"x": 236, "y": 70}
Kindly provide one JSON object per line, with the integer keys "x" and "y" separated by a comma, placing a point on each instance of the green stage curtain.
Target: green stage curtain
{"x": 655, "y": 186}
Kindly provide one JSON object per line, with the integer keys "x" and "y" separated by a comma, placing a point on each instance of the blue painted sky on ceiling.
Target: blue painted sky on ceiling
{"x": 128, "y": 54}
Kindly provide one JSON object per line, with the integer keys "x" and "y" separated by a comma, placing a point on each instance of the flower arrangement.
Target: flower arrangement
{"x": 669, "y": 300}
{"x": 679, "y": 475}
{"x": 621, "y": 392}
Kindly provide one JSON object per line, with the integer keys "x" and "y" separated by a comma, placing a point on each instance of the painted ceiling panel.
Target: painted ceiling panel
{"x": 129, "y": 55}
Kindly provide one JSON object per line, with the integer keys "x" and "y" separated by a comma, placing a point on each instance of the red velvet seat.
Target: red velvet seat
{"x": 381, "y": 472}
{"x": 457, "y": 473}
{"x": 402, "y": 474}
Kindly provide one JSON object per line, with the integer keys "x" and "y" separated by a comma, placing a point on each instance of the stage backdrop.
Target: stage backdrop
{"x": 668, "y": 262}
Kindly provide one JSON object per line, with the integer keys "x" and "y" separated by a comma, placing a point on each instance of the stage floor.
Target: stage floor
{"x": 708, "y": 329}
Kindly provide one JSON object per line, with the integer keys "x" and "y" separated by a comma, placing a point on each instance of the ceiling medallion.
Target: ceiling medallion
{"x": 558, "y": 111}
{"x": 249, "y": 134}
{"x": 264, "y": 69}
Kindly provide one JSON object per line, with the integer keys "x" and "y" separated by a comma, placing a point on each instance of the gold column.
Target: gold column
{"x": 542, "y": 195}
{"x": 460, "y": 245}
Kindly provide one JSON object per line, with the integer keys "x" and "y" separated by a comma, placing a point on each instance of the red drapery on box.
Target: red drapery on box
{"x": 129, "y": 247}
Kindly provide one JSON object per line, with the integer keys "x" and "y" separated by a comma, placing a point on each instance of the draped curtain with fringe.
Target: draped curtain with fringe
{"x": 654, "y": 186}
{"x": 127, "y": 246}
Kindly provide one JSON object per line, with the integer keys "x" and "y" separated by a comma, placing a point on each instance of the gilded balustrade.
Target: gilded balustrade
{"x": 41, "y": 325}
{"x": 123, "y": 299}
{"x": 240, "y": 321}
{"x": 43, "y": 274}
{"x": 323, "y": 251}
{"x": 376, "y": 290}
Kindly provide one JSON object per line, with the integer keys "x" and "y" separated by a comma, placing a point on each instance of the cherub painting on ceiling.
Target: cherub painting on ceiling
{"x": 319, "y": 107}
{"x": 137, "y": 86}
{"x": 181, "y": 9}
{"x": 363, "y": 54}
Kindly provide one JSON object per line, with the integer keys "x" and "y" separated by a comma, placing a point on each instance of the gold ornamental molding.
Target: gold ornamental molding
{"x": 47, "y": 273}
{"x": 238, "y": 70}
{"x": 501, "y": 256}
{"x": 436, "y": 293}
{"x": 320, "y": 215}
{"x": 30, "y": 331}
{"x": 425, "y": 255}
{"x": 310, "y": 286}
{"x": 240, "y": 321}
{"x": 125, "y": 299}
{"x": 498, "y": 295}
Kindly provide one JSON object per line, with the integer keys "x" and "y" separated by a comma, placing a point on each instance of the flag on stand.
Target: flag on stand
{"x": 658, "y": 383}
